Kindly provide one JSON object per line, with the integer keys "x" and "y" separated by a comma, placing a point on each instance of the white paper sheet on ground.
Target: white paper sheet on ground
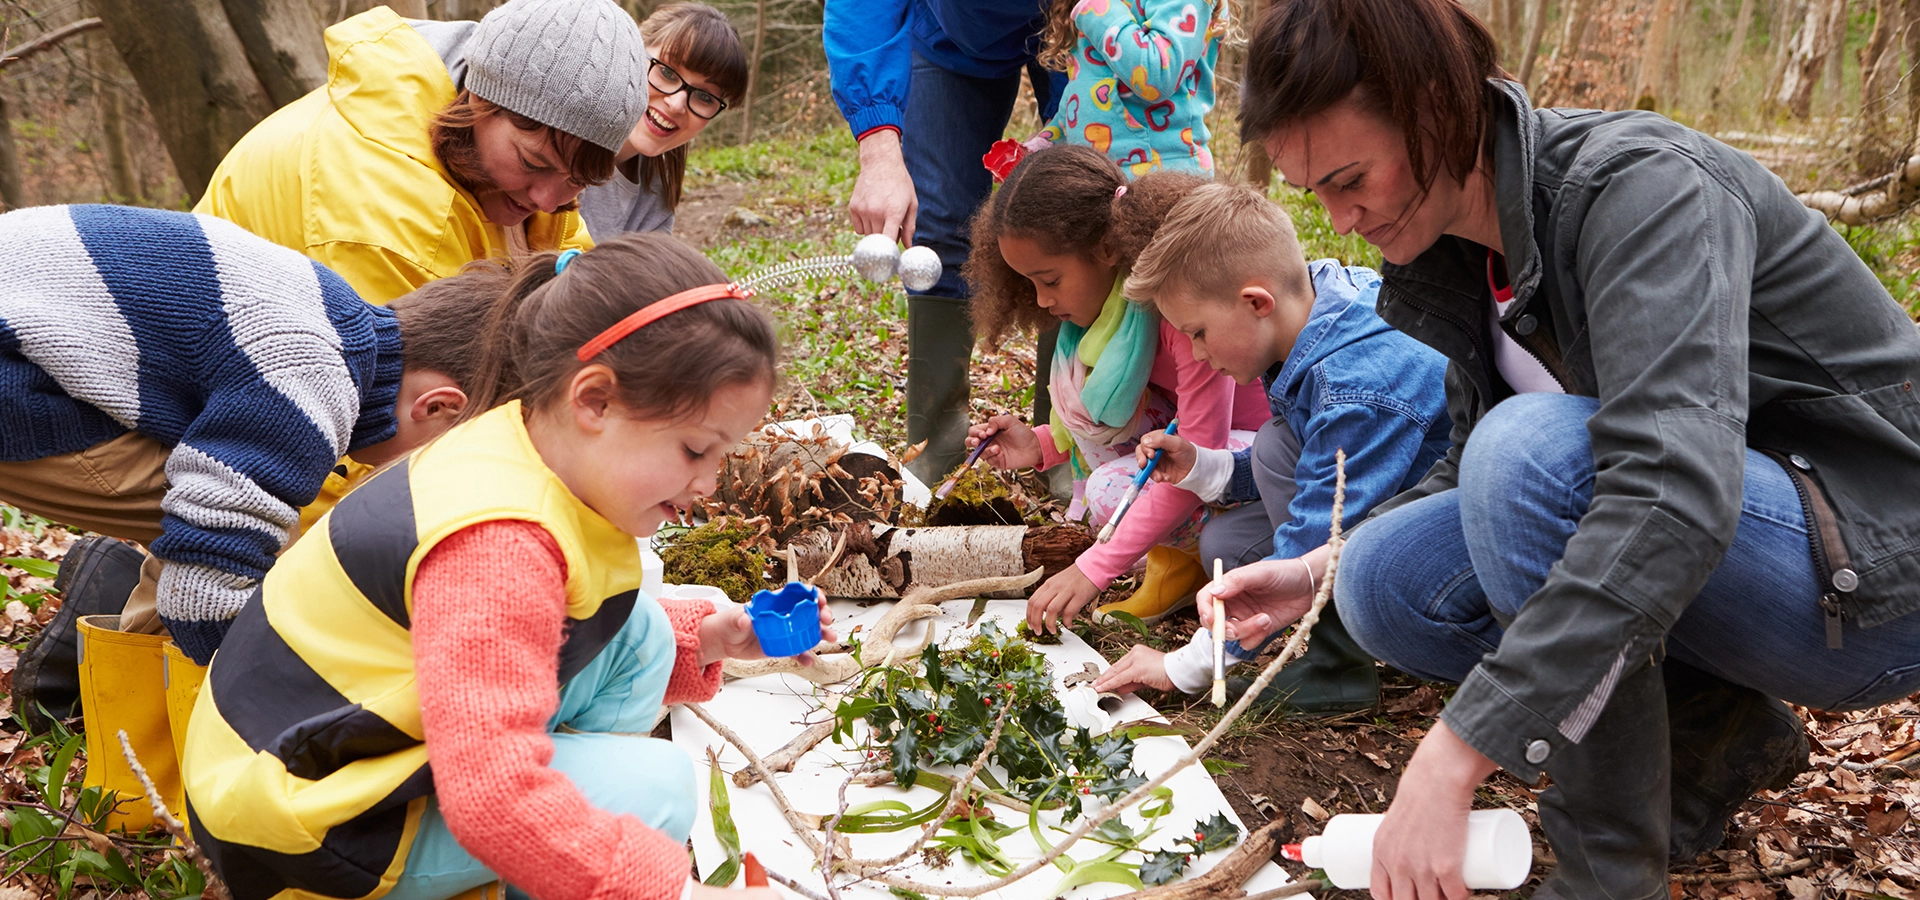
{"x": 769, "y": 711}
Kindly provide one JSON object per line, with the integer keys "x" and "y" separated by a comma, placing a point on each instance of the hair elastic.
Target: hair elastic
{"x": 658, "y": 309}
{"x": 1119, "y": 192}
{"x": 566, "y": 256}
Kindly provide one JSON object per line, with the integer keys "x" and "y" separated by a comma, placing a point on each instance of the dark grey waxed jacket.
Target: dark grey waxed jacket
{"x": 1679, "y": 282}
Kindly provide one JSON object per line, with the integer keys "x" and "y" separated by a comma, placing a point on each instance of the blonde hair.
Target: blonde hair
{"x": 1216, "y": 240}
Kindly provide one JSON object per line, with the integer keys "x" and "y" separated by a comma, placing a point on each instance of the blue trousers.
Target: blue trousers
{"x": 1420, "y": 587}
{"x": 611, "y": 705}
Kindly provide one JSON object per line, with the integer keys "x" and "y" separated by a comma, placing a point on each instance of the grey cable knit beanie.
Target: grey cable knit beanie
{"x": 576, "y": 65}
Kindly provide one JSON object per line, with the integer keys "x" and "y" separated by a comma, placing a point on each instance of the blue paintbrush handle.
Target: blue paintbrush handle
{"x": 1140, "y": 480}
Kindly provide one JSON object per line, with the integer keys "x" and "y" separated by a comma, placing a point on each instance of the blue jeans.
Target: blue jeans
{"x": 612, "y": 703}
{"x": 1426, "y": 586}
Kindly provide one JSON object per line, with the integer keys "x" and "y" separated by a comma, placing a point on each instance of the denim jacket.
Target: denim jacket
{"x": 1678, "y": 281}
{"x": 1351, "y": 383}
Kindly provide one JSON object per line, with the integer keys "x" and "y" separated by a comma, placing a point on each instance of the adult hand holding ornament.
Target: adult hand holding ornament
{"x": 876, "y": 257}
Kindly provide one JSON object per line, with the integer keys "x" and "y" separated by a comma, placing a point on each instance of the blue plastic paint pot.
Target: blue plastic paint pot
{"x": 786, "y": 621}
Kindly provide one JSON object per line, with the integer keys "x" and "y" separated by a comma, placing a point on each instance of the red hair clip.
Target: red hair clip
{"x": 657, "y": 310}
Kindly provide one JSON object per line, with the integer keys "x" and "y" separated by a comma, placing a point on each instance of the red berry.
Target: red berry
{"x": 987, "y": 700}
{"x": 939, "y": 729}
{"x": 1199, "y": 837}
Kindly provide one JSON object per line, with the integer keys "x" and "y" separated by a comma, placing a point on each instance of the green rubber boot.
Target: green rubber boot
{"x": 939, "y": 349}
{"x": 1333, "y": 677}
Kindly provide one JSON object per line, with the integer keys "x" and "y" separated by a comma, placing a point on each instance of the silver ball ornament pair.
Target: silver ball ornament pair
{"x": 877, "y": 258}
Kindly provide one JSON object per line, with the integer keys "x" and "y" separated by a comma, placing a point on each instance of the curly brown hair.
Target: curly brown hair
{"x": 1063, "y": 197}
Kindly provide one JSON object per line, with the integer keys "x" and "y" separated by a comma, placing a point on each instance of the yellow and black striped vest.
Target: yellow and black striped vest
{"x": 305, "y": 771}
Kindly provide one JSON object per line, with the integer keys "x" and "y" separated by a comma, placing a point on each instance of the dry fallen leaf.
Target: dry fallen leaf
{"x": 1318, "y": 812}
{"x": 1802, "y": 888}
{"x": 1883, "y": 820}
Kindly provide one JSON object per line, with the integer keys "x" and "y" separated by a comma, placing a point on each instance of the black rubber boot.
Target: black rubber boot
{"x": 1333, "y": 677}
{"x": 1606, "y": 814}
{"x": 939, "y": 350}
{"x": 95, "y": 579}
{"x": 1728, "y": 742}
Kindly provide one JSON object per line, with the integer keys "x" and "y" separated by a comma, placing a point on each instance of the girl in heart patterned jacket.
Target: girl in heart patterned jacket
{"x": 1140, "y": 79}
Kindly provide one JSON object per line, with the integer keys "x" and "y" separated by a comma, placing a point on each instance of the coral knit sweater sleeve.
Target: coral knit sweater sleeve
{"x": 489, "y": 680}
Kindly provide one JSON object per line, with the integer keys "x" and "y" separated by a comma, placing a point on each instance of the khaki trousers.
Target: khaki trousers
{"x": 113, "y": 488}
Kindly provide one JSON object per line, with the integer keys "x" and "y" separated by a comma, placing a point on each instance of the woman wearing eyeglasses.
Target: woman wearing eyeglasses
{"x": 699, "y": 69}
{"x": 436, "y": 144}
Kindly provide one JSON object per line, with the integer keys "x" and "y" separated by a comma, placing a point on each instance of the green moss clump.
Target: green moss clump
{"x": 716, "y": 554}
{"x": 1025, "y": 633}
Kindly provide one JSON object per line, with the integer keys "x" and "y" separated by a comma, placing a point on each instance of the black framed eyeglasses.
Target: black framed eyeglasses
{"x": 664, "y": 79}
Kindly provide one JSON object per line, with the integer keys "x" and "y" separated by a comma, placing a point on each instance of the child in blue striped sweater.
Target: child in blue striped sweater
{"x": 172, "y": 379}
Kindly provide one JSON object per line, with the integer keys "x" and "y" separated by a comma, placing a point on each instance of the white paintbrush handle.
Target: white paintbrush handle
{"x": 1219, "y": 639}
{"x": 1126, "y": 502}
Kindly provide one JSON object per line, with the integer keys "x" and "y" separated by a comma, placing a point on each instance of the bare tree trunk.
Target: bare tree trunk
{"x": 1837, "y": 57}
{"x": 753, "y": 71}
{"x": 1736, "y": 45}
{"x": 12, "y": 196}
{"x": 1573, "y": 30}
{"x": 283, "y": 43}
{"x": 1809, "y": 58}
{"x": 1879, "y": 80}
{"x": 1651, "y": 82}
{"x": 194, "y": 73}
{"x": 1912, "y": 16}
{"x": 1536, "y": 29}
{"x": 407, "y": 9}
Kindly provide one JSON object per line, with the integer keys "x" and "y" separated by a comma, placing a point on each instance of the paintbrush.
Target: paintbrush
{"x": 1133, "y": 490}
{"x": 946, "y": 487}
{"x": 1219, "y": 639}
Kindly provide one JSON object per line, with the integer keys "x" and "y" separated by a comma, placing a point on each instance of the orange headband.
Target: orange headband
{"x": 658, "y": 309}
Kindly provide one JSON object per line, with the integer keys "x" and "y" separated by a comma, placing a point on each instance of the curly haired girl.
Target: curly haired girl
{"x": 1053, "y": 247}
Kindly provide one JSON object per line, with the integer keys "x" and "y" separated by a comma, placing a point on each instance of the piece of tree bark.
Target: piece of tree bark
{"x": 12, "y": 195}
{"x": 194, "y": 73}
{"x": 1226, "y": 879}
{"x": 284, "y": 45}
{"x": 1867, "y": 206}
{"x": 113, "y": 129}
{"x": 1807, "y": 64}
{"x": 1910, "y": 12}
{"x": 901, "y": 558}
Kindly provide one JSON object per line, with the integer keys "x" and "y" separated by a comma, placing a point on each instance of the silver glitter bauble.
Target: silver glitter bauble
{"x": 919, "y": 268}
{"x": 876, "y": 257}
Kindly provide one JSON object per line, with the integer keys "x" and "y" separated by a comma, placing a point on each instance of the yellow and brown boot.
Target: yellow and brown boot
{"x": 1172, "y": 577}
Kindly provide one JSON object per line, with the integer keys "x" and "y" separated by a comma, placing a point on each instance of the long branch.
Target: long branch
{"x": 46, "y": 41}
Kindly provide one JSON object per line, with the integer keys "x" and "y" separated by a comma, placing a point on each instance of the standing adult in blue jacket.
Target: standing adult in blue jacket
{"x": 927, "y": 86}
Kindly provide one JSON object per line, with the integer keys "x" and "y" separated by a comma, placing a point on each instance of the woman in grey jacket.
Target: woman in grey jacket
{"x": 1685, "y": 476}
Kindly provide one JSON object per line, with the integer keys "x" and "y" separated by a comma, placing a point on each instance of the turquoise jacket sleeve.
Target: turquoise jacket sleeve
{"x": 1151, "y": 46}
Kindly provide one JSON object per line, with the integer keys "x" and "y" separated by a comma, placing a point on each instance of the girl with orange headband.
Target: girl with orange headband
{"x": 477, "y": 606}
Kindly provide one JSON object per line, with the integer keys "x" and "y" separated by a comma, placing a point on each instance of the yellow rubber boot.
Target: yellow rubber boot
{"x": 123, "y": 688}
{"x": 1172, "y": 578}
{"x": 183, "y": 677}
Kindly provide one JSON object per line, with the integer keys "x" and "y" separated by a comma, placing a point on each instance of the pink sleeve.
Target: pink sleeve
{"x": 488, "y": 676}
{"x": 1204, "y": 401}
{"x": 1050, "y": 455}
{"x": 690, "y": 682}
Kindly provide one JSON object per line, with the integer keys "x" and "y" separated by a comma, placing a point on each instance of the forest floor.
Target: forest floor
{"x": 1841, "y": 830}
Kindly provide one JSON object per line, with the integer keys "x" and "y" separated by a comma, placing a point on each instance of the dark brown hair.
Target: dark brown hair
{"x": 439, "y": 330}
{"x": 667, "y": 369}
{"x": 453, "y": 144}
{"x": 700, "y": 39}
{"x": 1421, "y": 64}
{"x": 1062, "y": 197}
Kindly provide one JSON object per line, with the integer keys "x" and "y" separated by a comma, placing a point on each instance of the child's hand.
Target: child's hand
{"x": 1175, "y": 464}
{"x": 728, "y": 634}
{"x": 1057, "y": 601}
{"x": 1142, "y": 667}
{"x": 1018, "y": 446}
{"x": 1038, "y": 142}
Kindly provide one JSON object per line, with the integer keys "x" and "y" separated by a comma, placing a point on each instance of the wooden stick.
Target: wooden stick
{"x": 1219, "y": 638}
{"x": 784, "y": 758}
{"x": 1730, "y": 877}
{"x": 215, "y": 888}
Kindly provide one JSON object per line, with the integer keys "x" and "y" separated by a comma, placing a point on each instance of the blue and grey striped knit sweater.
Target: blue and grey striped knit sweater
{"x": 257, "y": 366}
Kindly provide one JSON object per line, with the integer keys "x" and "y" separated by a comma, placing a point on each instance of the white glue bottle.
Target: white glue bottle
{"x": 1499, "y": 850}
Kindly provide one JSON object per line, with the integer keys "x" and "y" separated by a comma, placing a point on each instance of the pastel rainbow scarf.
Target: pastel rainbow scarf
{"x": 1099, "y": 379}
